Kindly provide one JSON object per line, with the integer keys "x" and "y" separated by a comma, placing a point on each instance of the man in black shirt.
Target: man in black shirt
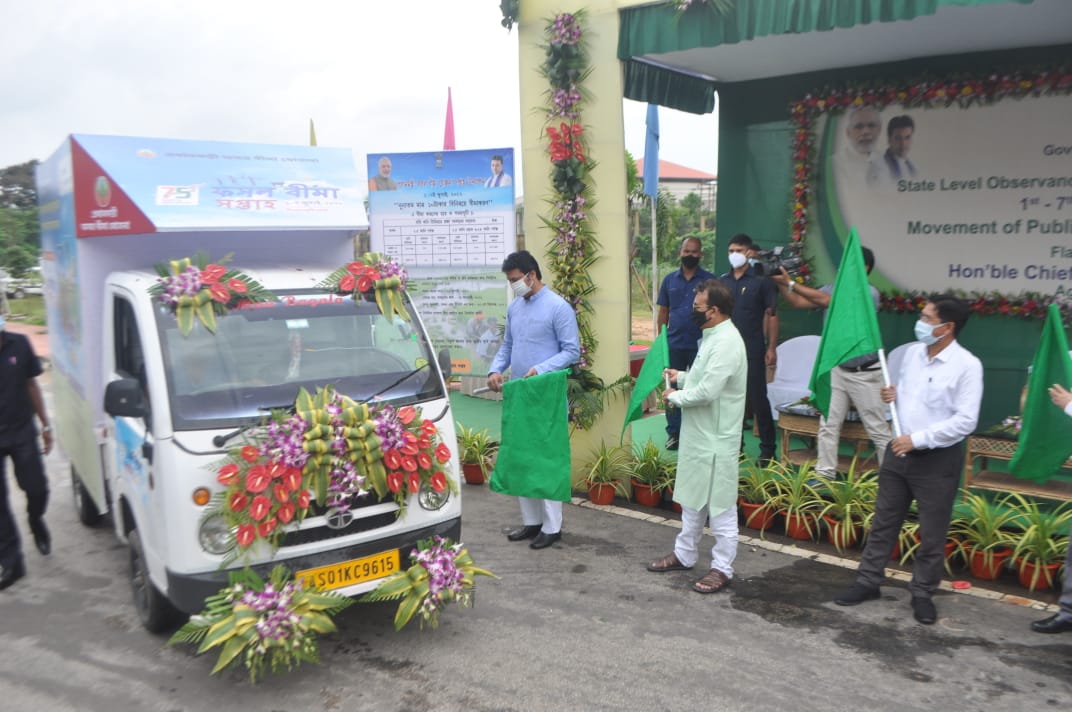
{"x": 754, "y": 297}
{"x": 20, "y": 399}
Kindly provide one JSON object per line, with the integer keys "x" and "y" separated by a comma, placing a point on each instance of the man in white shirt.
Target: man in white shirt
{"x": 1060, "y": 622}
{"x": 938, "y": 393}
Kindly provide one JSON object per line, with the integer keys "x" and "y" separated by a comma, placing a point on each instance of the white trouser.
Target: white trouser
{"x": 862, "y": 389}
{"x": 724, "y": 529}
{"x": 547, "y": 512}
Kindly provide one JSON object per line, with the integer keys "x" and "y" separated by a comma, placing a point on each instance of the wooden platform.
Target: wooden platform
{"x": 808, "y": 426}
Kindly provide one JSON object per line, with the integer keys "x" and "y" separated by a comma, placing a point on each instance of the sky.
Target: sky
{"x": 373, "y": 76}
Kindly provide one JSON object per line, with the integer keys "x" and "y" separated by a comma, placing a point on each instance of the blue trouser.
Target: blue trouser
{"x": 679, "y": 360}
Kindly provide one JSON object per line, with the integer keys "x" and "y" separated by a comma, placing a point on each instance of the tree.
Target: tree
{"x": 17, "y": 187}
{"x": 17, "y": 259}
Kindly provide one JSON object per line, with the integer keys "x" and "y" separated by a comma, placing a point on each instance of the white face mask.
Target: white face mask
{"x": 520, "y": 287}
{"x": 925, "y": 332}
{"x": 737, "y": 259}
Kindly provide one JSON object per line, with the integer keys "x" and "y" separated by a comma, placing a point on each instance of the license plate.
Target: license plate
{"x": 351, "y": 572}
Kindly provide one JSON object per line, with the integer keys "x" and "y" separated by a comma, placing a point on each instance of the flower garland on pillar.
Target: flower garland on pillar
{"x": 574, "y": 247}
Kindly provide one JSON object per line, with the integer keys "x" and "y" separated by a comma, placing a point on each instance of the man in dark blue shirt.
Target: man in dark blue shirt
{"x": 754, "y": 297}
{"x": 675, "y": 304}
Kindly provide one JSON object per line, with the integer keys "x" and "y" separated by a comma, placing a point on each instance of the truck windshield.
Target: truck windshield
{"x": 261, "y": 355}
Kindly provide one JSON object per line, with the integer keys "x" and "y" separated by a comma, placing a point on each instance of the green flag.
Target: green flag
{"x": 650, "y": 377}
{"x": 1046, "y": 435}
{"x": 851, "y": 328}
{"x": 534, "y": 458}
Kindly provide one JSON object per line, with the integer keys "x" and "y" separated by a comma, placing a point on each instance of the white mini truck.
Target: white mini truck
{"x": 145, "y": 414}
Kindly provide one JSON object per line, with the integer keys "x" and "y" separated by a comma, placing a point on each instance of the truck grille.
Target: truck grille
{"x": 362, "y": 522}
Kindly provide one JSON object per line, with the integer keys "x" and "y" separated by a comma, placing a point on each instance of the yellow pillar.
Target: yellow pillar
{"x": 602, "y": 119}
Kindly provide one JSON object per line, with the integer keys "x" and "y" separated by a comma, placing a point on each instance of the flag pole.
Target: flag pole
{"x": 654, "y": 271}
{"x": 886, "y": 382}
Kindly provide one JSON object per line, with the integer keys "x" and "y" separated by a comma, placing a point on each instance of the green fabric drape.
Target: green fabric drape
{"x": 665, "y": 87}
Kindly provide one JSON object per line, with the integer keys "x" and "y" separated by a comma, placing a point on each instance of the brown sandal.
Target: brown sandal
{"x": 669, "y": 562}
{"x": 713, "y": 582}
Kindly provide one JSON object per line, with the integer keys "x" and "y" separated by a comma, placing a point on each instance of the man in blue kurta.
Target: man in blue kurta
{"x": 711, "y": 397}
{"x": 541, "y": 336}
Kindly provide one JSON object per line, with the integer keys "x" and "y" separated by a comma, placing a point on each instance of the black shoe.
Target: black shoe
{"x": 42, "y": 538}
{"x": 672, "y": 442}
{"x": 528, "y": 531}
{"x": 1053, "y": 624}
{"x": 545, "y": 540}
{"x": 923, "y": 610}
{"x": 12, "y": 574}
{"x": 857, "y": 594}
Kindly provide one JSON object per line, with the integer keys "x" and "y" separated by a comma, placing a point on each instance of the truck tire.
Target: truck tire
{"x": 18, "y": 293}
{"x": 83, "y": 503}
{"x": 154, "y": 610}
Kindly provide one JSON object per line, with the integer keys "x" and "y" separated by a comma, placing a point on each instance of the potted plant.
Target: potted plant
{"x": 908, "y": 542}
{"x": 603, "y": 472}
{"x": 797, "y": 499}
{"x": 984, "y": 534}
{"x": 650, "y": 473}
{"x": 1041, "y": 548}
{"x": 849, "y": 504}
{"x": 755, "y": 490}
{"x": 475, "y": 450}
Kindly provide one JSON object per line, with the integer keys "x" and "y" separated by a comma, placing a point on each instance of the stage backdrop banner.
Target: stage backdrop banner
{"x": 973, "y": 199}
{"x": 448, "y": 217}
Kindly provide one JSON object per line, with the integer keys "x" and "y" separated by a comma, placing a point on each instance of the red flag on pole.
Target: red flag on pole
{"x": 448, "y": 131}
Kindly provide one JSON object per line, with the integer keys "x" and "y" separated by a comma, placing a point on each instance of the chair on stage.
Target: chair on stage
{"x": 796, "y": 358}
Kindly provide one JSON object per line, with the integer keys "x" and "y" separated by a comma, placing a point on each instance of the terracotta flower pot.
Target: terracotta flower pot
{"x": 757, "y": 516}
{"x": 840, "y": 533}
{"x": 987, "y": 565}
{"x": 1034, "y": 577}
{"x": 799, "y": 526}
{"x": 601, "y": 493}
{"x": 646, "y": 495}
{"x": 473, "y": 474}
{"x": 670, "y": 499}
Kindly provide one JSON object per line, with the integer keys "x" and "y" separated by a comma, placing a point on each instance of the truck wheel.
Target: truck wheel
{"x": 83, "y": 503}
{"x": 156, "y": 612}
{"x": 19, "y": 293}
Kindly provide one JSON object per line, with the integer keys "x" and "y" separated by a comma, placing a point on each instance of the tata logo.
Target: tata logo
{"x": 336, "y": 519}
{"x": 102, "y": 192}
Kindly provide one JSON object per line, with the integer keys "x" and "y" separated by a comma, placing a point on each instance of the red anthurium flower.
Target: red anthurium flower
{"x": 414, "y": 482}
{"x": 250, "y": 453}
{"x": 439, "y": 481}
{"x": 347, "y": 283}
{"x": 428, "y": 427}
{"x": 212, "y": 273}
{"x": 281, "y": 493}
{"x": 257, "y": 479}
{"x": 394, "y": 481}
{"x": 303, "y": 499}
{"x": 409, "y": 437}
{"x": 276, "y": 469}
{"x": 245, "y": 535}
{"x": 373, "y": 274}
{"x": 292, "y": 479}
{"x": 228, "y": 475}
{"x": 424, "y": 461}
{"x": 355, "y": 268}
{"x": 406, "y": 414}
{"x": 237, "y": 286}
{"x": 266, "y": 527}
{"x": 364, "y": 284}
{"x": 442, "y": 452}
{"x": 424, "y": 442}
{"x": 391, "y": 460}
{"x": 259, "y": 507}
{"x": 286, "y": 512}
{"x": 409, "y": 449}
{"x": 409, "y": 464}
{"x": 238, "y": 502}
{"x": 219, "y": 292}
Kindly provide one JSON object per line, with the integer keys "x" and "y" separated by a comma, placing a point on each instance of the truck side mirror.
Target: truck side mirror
{"x": 124, "y": 399}
{"x": 444, "y": 363}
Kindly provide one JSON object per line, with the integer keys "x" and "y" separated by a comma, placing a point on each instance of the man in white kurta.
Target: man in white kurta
{"x": 711, "y": 396}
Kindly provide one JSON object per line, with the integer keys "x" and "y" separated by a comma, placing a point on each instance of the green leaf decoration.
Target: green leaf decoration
{"x": 207, "y": 315}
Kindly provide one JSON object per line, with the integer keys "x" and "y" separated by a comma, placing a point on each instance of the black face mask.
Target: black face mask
{"x": 699, "y": 318}
{"x": 690, "y": 261}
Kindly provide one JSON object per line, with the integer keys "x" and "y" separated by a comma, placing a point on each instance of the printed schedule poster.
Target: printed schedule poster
{"x": 443, "y": 209}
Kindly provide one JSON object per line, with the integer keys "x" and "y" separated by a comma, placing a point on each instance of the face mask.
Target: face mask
{"x": 737, "y": 259}
{"x": 699, "y": 318}
{"x": 690, "y": 261}
{"x": 520, "y": 287}
{"x": 925, "y": 332}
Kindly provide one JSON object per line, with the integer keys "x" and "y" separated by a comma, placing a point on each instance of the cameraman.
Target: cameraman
{"x": 858, "y": 380}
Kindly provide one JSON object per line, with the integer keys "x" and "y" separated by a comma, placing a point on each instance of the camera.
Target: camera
{"x": 769, "y": 262}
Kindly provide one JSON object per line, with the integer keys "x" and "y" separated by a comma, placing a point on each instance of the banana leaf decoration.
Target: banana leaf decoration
{"x": 356, "y": 279}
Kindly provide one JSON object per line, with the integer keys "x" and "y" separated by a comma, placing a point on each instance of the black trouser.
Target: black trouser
{"x": 757, "y": 396}
{"x": 20, "y": 444}
{"x": 932, "y": 478}
{"x": 679, "y": 360}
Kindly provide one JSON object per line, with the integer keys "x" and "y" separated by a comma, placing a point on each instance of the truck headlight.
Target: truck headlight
{"x": 215, "y": 536}
{"x": 431, "y": 500}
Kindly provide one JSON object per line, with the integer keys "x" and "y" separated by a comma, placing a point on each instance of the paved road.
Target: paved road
{"x": 581, "y": 626}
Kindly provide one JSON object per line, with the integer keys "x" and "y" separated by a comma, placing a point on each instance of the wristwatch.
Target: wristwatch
{"x": 789, "y": 287}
